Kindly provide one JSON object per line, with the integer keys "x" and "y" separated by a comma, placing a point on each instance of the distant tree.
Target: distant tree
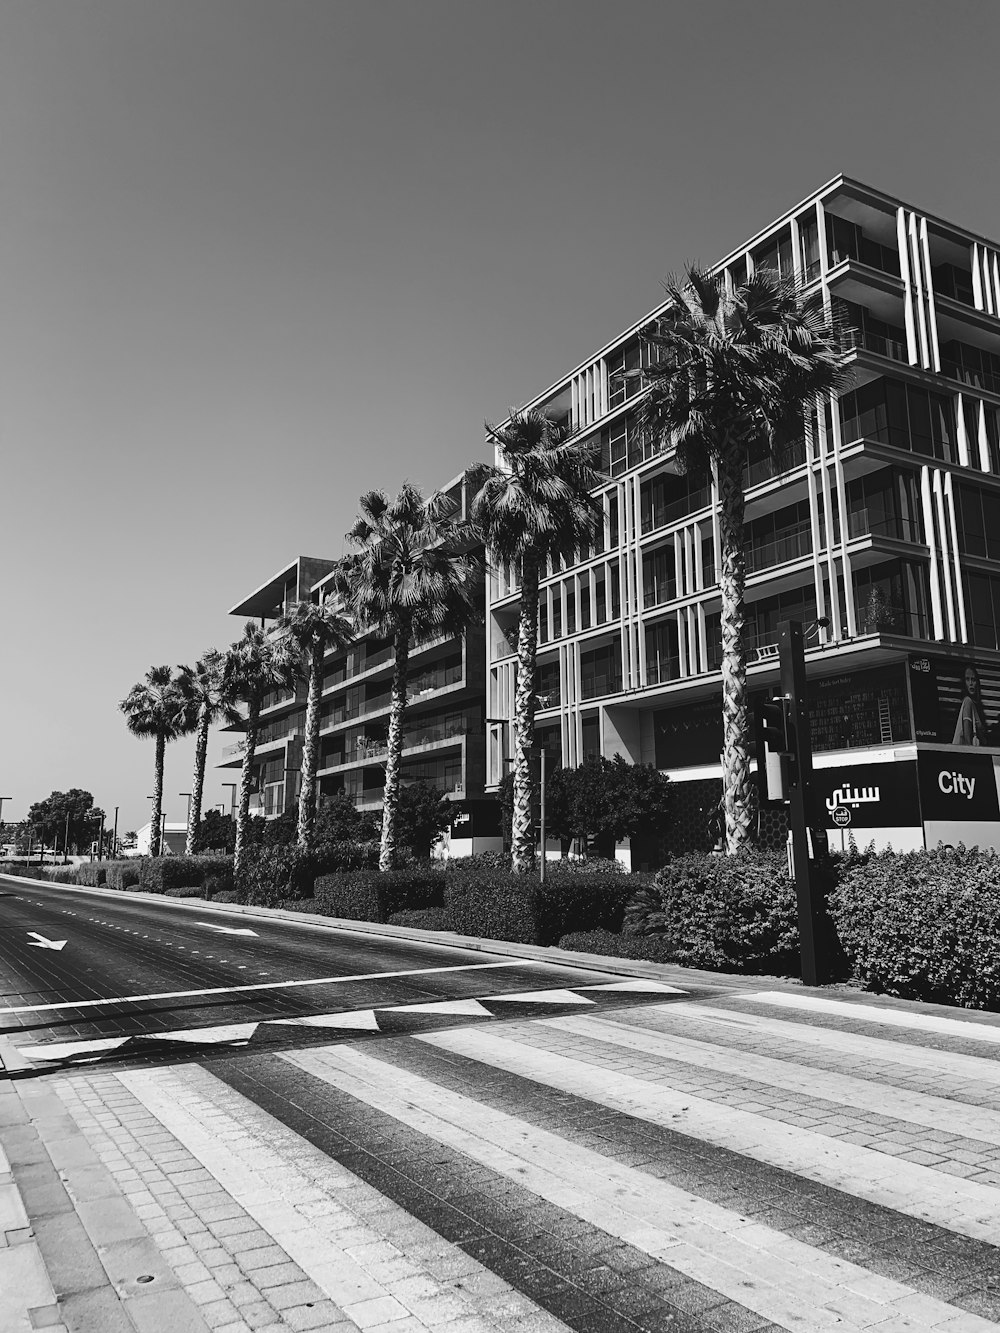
{"x": 422, "y": 816}
{"x": 48, "y": 818}
{"x": 260, "y": 661}
{"x": 205, "y": 703}
{"x": 414, "y": 575}
{"x": 314, "y": 628}
{"x": 339, "y": 820}
{"x": 128, "y": 841}
{"x": 215, "y": 832}
{"x": 155, "y": 708}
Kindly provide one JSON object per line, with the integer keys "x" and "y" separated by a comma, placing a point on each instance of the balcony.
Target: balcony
{"x": 231, "y": 751}
{"x": 791, "y": 544}
{"x": 874, "y": 342}
{"x": 660, "y": 670}
{"x": 876, "y": 523}
{"x": 771, "y": 466}
{"x": 596, "y": 687}
{"x": 504, "y": 644}
{"x": 659, "y": 515}
{"x": 975, "y": 379}
{"x": 658, "y": 591}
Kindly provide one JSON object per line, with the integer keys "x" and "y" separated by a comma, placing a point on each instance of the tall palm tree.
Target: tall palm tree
{"x": 155, "y": 707}
{"x": 205, "y": 701}
{"x": 260, "y": 661}
{"x": 536, "y": 503}
{"x": 731, "y": 368}
{"x": 313, "y": 627}
{"x": 414, "y": 575}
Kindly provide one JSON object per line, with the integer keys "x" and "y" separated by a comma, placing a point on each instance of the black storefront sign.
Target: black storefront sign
{"x": 867, "y": 796}
{"x": 957, "y": 786}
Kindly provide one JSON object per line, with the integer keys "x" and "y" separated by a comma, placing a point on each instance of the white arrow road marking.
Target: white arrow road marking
{"x": 40, "y": 942}
{"x": 542, "y": 997}
{"x": 226, "y": 930}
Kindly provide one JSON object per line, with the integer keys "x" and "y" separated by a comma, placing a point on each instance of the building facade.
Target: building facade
{"x": 879, "y": 530}
{"x": 444, "y": 729}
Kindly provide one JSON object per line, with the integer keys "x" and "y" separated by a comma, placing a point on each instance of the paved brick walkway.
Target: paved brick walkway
{"x": 761, "y": 1160}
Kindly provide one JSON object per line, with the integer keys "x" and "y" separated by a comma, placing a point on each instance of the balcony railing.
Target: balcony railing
{"x": 659, "y": 670}
{"x": 766, "y": 469}
{"x": 976, "y": 379}
{"x": 861, "y": 523}
{"x": 791, "y": 544}
{"x": 595, "y": 687}
{"x": 874, "y": 342}
{"x": 659, "y": 515}
{"x": 658, "y": 592}
{"x": 230, "y": 751}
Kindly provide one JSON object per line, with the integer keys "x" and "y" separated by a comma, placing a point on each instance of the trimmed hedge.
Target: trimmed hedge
{"x": 923, "y": 925}
{"x": 371, "y": 895}
{"x": 427, "y": 918}
{"x": 518, "y": 908}
{"x": 91, "y": 874}
{"x": 724, "y": 913}
{"x": 122, "y": 874}
{"x": 273, "y": 874}
{"x": 160, "y": 873}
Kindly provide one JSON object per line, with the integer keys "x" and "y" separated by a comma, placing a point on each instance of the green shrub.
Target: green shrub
{"x": 91, "y": 874}
{"x": 272, "y": 874}
{"x": 724, "y": 913}
{"x": 368, "y": 895}
{"x": 62, "y": 875}
{"x": 590, "y": 865}
{"x": 217, "y": 884}
{"x": 123, "y": 874}
{"x": 493, "y": 905}
{"x": 427, "y": 918}
{"x": 225, "y": 896}
{"x": 923, "y": 925}
{"x": 594, "y": 900}
{"x": 184, "y": 891}
{"x": 650, "y": 948}
{"x": 158, "y": 874}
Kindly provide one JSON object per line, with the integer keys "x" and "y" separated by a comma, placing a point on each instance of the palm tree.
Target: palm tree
{"x": 535, "y": 504}
{"x": 414, "y": 575}
{"x": 260, "y": 661}
{"x": 313, "y": 627}
{"x": 205, "y": 701}
{"x": 731, "y": 368}
{"x": 155, "y": 707}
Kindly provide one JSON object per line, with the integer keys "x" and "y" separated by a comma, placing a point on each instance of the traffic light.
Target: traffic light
{"x": 775, "y": 750}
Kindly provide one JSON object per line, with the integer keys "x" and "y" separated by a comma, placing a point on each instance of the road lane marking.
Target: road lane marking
{"x": 228, "y": 930}
{"x": 266, "y": 985}
{"x": 542, "y": 997}
{"x": 40, "y": 942}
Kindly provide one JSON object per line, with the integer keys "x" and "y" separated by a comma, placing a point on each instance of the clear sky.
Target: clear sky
{"x": 261, "y": 255}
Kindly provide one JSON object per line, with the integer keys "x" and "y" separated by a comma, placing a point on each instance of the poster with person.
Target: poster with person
{"x": 955, "y": 701}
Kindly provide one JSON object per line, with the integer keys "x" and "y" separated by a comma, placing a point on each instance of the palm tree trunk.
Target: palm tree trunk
{"x": 157, "y": 815}
{"x": 246, "y": 779}
{"x": 198, "y": 780}
{"x": 394, "y": 750}
{"x": 522, "y": 831}
{"x": 736, "y": 780}
{"x": 310, "y": 748}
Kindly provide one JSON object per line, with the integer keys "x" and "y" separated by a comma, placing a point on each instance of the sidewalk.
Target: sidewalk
{"x": 770, "y": 1158}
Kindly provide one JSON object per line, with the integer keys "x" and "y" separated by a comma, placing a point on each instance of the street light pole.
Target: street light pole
{"x": 114, "y": 838}
{"x": 66, "y": 841}
{"x": 541, "y": 819}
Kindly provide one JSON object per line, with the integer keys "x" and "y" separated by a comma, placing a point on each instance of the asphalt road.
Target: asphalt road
{"x": 88, "y": 975}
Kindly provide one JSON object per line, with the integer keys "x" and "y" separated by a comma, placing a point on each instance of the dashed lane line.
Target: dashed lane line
{"x": 267, "y": 985}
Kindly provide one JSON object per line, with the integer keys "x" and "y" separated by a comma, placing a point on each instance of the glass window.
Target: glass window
{"x": 600, "y": 585}
{"x": 616, "y": 601}
{"x": 809, "y": 241}
{"x": 663, "y": 661}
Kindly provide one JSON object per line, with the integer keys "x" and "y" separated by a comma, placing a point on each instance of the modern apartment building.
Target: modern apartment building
{"x": 883, "y": 520}
{"x": 444, "y": 743}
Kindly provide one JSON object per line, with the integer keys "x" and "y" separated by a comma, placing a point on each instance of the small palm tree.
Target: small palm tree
{"x": 729, "y": 369}
{"x": 535, "y": 504}
{"x": 260, "y": 661}
{"x": 206, "y": 703}
{"x": 414, "y": 575}
{"x": 155, "y": 707}
{"x": 313, "y": 627}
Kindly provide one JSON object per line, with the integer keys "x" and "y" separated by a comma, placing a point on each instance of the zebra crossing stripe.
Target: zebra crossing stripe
{"x": 869, "y": 1013}
{"x": 540, "y": 997}
{"x": 362, "y": 1020}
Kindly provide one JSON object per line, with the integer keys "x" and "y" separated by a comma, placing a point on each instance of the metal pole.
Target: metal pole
{"x": 100, "y": 839}
{"x": 114, "y": 838}
{"x": 66, "y": 842}
{"x": 541, "y": 820}
{"x": 807, "y": 887}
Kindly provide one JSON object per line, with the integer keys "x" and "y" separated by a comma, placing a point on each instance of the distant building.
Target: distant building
{"x": 445, "y": 727}
{"x": 174, "y": 840}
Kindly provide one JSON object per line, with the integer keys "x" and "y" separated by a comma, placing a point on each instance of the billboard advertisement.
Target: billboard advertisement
{"x": 955, "y": 702}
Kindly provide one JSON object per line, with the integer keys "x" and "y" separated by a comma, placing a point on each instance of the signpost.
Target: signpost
{"x": 784, "y": 758}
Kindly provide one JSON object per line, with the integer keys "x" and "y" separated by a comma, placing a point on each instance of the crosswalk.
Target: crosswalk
{"x": 768, "y": 1160}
